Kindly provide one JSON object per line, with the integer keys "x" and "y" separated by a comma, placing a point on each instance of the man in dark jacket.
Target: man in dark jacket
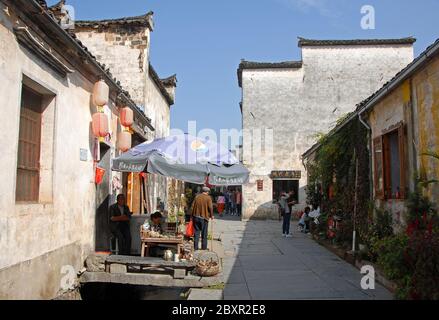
{"x": 202, "y": 212}
{"x": 120, "y": 216}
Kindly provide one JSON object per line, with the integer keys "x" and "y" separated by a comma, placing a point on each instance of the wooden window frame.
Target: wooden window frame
{"x": 382, "y": 192}
{"x": 378, "y": 152}
{"x": 28, "y": 158}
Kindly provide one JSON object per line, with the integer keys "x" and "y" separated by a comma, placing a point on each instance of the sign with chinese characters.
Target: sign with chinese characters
{"x": 260, "y": 184}
{"x": 286, "y": 175}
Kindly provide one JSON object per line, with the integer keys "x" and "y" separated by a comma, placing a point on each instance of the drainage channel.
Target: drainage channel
{"x": 110, "y": 291}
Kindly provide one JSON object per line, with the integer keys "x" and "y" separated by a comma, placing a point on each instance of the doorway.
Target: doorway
{"x": 285, "y": 185}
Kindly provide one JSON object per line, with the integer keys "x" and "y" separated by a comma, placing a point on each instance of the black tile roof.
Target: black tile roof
{"x": 252, "y": 65}
{"x": 269, "y": 65}
{"x": 170, "y": 81}
{"x": 143, "y": 20}
{"x": 355, "y": 42}
{"x": 154, "y": 76}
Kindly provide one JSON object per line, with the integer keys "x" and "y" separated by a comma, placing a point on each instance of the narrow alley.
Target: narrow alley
{"x": 262, "y": 265}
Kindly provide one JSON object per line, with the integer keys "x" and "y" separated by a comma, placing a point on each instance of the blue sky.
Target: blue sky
{"x": 203, "y": 40}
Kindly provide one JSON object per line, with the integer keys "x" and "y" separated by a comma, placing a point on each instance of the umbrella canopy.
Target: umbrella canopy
{"x": 185, "y": 158}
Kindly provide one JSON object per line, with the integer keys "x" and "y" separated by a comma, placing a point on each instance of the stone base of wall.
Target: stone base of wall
{"x": 264, "y": 212}
{"x": 40, "y": 278}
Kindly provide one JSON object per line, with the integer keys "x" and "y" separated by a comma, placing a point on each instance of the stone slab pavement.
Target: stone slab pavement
{"x": 260, "y": 264}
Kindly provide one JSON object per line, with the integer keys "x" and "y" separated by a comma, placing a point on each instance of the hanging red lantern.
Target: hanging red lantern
{"x": 100, "y": 125}
{"x": 126, "y": 117}
{"x": 124, "y": 141}
{"x": 100, "y": 173}
{"x": 101, "y": 92}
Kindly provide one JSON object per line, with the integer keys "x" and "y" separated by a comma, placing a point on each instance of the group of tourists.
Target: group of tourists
{"x": 229, "y": 203}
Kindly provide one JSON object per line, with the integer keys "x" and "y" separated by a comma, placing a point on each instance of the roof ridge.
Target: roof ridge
{"x": 246, "y": 64}
{"x": 145, "y": 19}
{"x": 336, "y": 42}
{"x": 159, "y": 82}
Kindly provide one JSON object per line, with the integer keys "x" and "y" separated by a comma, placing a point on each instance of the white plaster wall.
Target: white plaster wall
{"x": 28, "y": 231}
{"x": 299, "y": 103}
{"x": 158, "y": 109}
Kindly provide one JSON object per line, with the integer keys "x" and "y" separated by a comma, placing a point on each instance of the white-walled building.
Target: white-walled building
{"x": 123, "y": 45}
{"x": 52, "y": 210}
{"x": 285, "y": 105}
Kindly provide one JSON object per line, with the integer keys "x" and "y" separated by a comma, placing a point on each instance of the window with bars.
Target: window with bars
{"x": 29, "y": 145}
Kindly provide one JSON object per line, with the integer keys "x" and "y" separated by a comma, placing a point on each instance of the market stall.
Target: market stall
{"x": 185, "y": 158}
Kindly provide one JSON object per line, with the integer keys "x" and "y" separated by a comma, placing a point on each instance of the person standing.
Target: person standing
{"x": 233, "y": 202}
{"x": 227, "y": 199}
{"x": 286, "y": 215}
{"x": 238, "y": 196}
{"x": 120, "y": 216}
{"x": 202, "y": 212}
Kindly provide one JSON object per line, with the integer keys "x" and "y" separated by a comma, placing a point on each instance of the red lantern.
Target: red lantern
{"x": 100, "y": 173}
{"x": 124, "y": 141}
{"x": 100, "y": 125}
{"x": 101, "y": 92}
{"x": 126, "y": 117}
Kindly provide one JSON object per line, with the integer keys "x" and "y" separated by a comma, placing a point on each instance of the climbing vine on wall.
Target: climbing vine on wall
{"x": 332, "y": 174}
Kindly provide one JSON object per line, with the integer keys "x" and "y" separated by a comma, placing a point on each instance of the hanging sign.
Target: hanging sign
{"x": 293, "y": 175}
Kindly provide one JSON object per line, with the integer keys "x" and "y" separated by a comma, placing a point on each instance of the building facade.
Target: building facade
{"x": 50, "y": 203}
{"x": 123, "y": 45}
{"x": 404, "y": 126}
{"x": 285, "y": 105}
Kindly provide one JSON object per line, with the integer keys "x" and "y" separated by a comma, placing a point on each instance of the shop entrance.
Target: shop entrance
{"x": 285, "y": 185}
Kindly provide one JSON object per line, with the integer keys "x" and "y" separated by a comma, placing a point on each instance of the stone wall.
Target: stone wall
{"x": 125, "y": 50}
{"x": 299, "y": 103}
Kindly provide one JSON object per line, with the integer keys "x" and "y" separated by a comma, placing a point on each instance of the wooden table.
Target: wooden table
{"x": 147, "y": 242}
{"x": 137, "y": 265}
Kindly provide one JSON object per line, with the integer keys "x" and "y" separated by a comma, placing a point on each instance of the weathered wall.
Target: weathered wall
{"x": 298, "y": 103}
{"x": 157, "y": 108}
{"x": 415, "y": 102}
{"x": 264, "y": 96}
{"x": 125, "y": 50}
{"x": 36, "y": 240}
{"x": 387, "y": 114}
{"x": 426, "y": 100}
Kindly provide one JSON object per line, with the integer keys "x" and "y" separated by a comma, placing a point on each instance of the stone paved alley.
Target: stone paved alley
{"x": 262, "y": 265}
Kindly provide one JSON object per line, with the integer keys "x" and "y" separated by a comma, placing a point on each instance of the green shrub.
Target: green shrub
{"x": 391, "y": 256}
{"x": 422, "y": 258}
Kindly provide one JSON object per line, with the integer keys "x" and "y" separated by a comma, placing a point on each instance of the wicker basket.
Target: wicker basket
{"x": 207, "y": 271}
